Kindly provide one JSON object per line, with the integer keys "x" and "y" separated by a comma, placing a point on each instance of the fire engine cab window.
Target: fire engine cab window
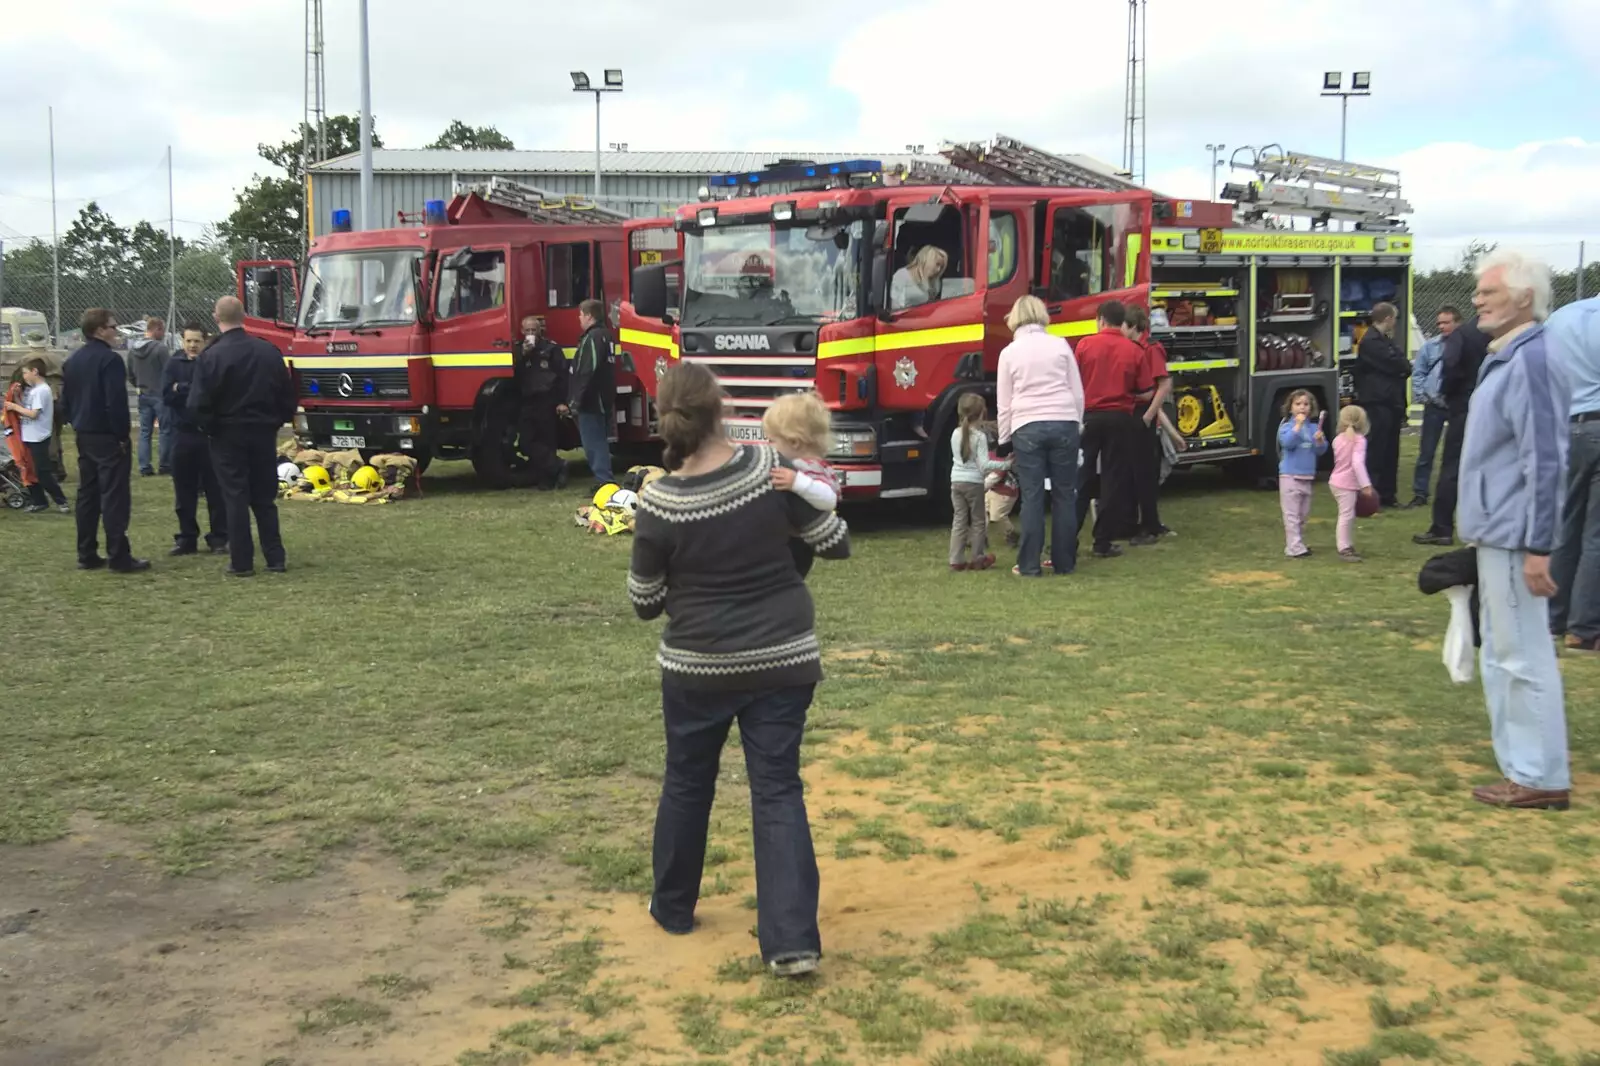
{"x": 1002, "y": 248}
{"x": 478, "y": 285}
{"x": 567, "y": 267}
{"x": 928, "y": 260}
{"x": 1084, "y": 252}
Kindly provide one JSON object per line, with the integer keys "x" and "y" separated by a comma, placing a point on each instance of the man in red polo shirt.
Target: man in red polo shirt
{"x": 1148, "y": 491}
{"x": 1114, "y": 371}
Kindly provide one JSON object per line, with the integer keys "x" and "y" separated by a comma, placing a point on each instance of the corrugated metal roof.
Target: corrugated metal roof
{"x": 699, "y": 164}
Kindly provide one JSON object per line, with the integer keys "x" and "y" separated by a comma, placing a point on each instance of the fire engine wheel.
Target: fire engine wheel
{"x": 495, "y": 457}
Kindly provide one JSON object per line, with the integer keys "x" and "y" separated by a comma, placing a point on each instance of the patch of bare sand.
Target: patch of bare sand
{"x": 1257, "y": 579}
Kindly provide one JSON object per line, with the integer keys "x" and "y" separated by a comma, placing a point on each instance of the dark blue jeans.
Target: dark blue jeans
{"x": 1047, "y": 450}
{"x": 594, "y": 430}
{"x": 1575, "y": 565}
{"x": 1433, "y": 420}
{"x": 151, "y": 411}
{"x": 771, "y": 724}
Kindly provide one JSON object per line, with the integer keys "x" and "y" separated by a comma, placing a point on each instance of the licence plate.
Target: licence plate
{"x": 739, "y": 432}
{"x": 349, "y": 442}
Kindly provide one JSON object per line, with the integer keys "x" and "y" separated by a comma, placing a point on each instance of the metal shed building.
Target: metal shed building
{"x": 643, "y": 184}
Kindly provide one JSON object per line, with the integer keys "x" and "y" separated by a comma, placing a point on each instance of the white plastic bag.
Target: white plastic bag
{"x": 1458, "y": 650}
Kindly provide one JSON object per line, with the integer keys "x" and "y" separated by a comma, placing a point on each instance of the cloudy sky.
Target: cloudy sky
{"x": 1489, "y": 108}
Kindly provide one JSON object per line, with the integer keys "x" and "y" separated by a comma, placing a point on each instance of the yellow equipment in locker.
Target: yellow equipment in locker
{"x": 1191, "y": 410}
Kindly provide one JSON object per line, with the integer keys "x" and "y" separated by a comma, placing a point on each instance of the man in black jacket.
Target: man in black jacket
{"x": 241, "y": 396}
{"x": 1380, "y": 376}
{"x": 192, "y": 471}
{"x": 94, "y": 398}
{"x": 1464, "y": 351}
{"x": 594, "y": 389}
{"x": 541, "y": 375}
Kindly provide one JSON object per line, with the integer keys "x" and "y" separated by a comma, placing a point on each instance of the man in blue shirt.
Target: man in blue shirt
{"x": 1574, "y": 333}
{"x": 1425, "y": 391}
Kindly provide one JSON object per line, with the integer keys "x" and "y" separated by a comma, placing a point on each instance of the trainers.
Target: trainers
{"x": 1349, "y": 555}
{"x": 64, "y": 508}
{"x": 982, "y": 562}
{"x": 1416, "y": 501}
{"x": 958, "y": 567}
{"x": 1443, "y": 540}
{"x": 1110, "y": 551}
{"x": 35, "y": 508}
{"x": 1143, "y": 540}
{"x": 1590, "y": 646}
{"x": 794, "y": 964}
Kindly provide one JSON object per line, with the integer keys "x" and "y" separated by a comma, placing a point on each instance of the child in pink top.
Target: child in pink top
{"x": 1349, "y": 479}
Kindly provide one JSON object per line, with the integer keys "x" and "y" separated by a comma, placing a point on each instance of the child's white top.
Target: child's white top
{"x": 971, "y": 471}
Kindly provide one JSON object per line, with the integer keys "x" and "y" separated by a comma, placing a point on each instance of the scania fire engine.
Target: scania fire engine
{"x": 887, "y": 293}
{"x": 400, "y": 339}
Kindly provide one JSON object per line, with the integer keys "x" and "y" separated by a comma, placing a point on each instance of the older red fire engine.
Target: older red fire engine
{"x": 402, "y": 338}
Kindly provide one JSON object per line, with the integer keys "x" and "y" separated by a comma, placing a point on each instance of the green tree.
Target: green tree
{"x": 269, "y": 213}
{"x": 95, "y": 248}
{"x": 462, "y": 137}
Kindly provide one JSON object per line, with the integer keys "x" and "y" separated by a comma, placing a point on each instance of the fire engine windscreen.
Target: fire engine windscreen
{"x": 365, "y": 288}
{"x": 766, "y": 274}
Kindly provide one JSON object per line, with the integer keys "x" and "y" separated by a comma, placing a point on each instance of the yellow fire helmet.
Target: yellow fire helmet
{"x": 318, "y": 476}
{"x": 367, "y": 479}
{"x": 603, "y": 495}
{"x": 651, "y": 473}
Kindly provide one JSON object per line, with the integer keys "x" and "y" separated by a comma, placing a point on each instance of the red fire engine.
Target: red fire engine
{"x": 401, "y": 338}
{"x": 887, "y": 293}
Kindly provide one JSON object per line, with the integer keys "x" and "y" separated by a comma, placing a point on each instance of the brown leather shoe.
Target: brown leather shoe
{"x": 1521, "y": 797}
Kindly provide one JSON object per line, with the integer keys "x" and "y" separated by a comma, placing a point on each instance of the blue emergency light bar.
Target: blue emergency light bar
{"x": 433, "y": 212}
{"x": 796, "y": 172}
{"x": 341, "y": 220}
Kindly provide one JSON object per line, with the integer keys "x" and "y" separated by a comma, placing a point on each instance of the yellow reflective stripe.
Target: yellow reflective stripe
{"x": 1131, "y": 268}
{"x": 570, "y": 353}
{"x": 649, "y": 340}
{"x": 971, "y": 333}
{"x": 1073, "y": 329}
{"x": 352, "y": 361}
{"x": 1204, "y": 364}
{"x": 473, "y": 359}
{"x": 1179, "y": 293}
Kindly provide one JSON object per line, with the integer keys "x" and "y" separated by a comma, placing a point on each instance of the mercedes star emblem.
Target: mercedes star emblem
{"x": 347, "y": 385}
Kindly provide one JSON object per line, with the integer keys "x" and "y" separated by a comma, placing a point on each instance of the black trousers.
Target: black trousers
{"x": 44, "y": 472}
{"x": 193, "y": 474}
{"x": 539, "y": 437}
{"x": 1444, "y": 495}
{"x": 1111, "y": 441}
{"x": 1147, "y": 488}
{"x": 246, "y": 462}
{"x": 105, "y": 462}
{"x": 771, "y": 724}
{"x": 1383, "y": 451}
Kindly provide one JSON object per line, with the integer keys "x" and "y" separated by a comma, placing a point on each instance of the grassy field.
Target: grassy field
{"x": 1202, "y": 804}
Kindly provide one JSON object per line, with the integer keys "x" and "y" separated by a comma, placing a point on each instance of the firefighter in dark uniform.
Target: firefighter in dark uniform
{"x": 94, "y": 394}
{"x": 241, "y": 396}
{"x": 192, "y": 471}
{"x": 541, "y": 375}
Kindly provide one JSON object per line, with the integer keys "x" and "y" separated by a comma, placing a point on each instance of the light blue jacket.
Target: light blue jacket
{"x": 1426, "y": 372}
{"x": 1575, "y": 339}
{"x": 1514, "y": 459}
{"x": 1297, "y": 452}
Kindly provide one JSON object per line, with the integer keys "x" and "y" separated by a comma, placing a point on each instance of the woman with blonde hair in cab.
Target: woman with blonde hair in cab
{"x": 711, "y": 551}
{"x": 919, "y": 281}
{"x": 1040, "y": 398}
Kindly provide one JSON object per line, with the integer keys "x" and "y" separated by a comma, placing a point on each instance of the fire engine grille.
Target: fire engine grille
{"x": 355, "y": 383}
{"x": 753, "y": 382}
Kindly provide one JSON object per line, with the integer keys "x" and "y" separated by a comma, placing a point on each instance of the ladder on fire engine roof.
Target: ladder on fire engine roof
{"x": 1321, "y": 189}
{"x": 542, "y": 206}
{"x": 1008, "y": 161}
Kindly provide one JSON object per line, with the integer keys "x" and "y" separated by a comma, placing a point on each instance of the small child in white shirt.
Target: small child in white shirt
{"x": 969, "y": 465}
{"x": 37, "y": 411}
{"x": 798, "y": 427}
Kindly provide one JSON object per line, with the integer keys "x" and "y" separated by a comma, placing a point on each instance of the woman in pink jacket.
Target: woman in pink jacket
{"x": 1349, "y": 479}
{"x": 1041, "y": 407}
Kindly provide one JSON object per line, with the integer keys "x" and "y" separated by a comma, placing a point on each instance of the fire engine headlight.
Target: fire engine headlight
{"x": 707, "y": 216}
{"x": 408, "y": 426}
{"x": 783, "y": 212}
{"x": 302, "y": 424}
{"x": 853, "y": 444}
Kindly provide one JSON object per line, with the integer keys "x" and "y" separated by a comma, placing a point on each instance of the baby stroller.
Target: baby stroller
{"x": 12, "y": 491}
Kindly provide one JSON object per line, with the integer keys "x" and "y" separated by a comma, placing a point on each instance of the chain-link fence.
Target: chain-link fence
{"x": 1447, "y": 279}
{"x": 184, "y": 294}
